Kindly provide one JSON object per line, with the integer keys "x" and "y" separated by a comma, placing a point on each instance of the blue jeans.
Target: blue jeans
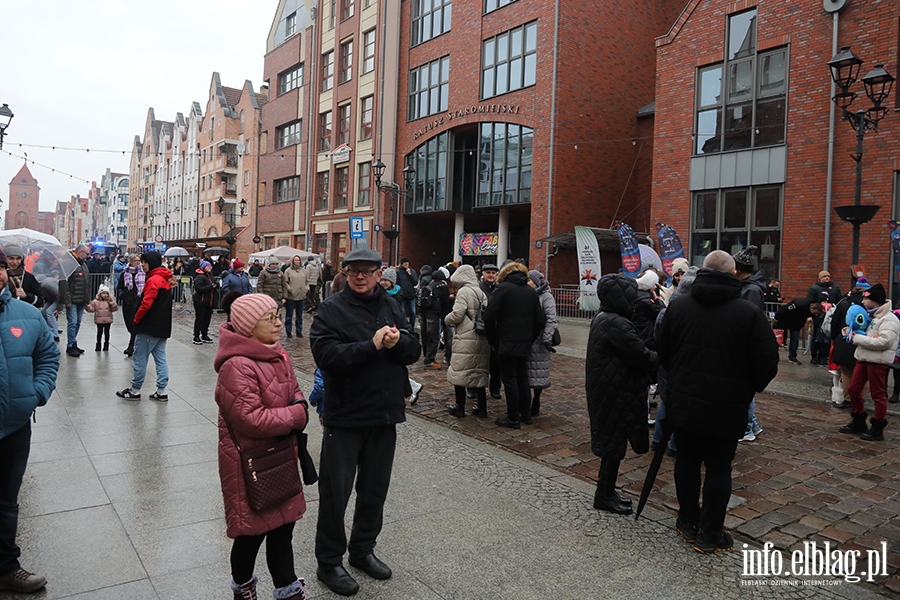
{"x": 409, "y": 309}
{"x": 290, "y": 306}
{"x": 657, "y": 428}
{"x": 794, "y": 344}
{"x": 752, "y": 424}
{"x": 48, "y": 309}
{"x": 144, "y": 346}
{"x": 74, "y": 312}
{"x": 14, "y": 449}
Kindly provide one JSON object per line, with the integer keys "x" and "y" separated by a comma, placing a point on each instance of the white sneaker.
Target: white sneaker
{"x": 652, "y": 389}
{"x": 416, "y": 388}
{"x": 748, "y": 437}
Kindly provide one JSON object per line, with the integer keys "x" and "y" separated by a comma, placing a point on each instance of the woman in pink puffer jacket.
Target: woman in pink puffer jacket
{"x": 259, "y": 398}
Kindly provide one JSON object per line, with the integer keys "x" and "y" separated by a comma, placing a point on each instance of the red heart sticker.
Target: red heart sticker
{"x": 16, "y": 331}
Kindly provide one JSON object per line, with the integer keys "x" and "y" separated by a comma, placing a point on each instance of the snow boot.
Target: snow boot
{"x": 857, "y": 425}
{"x": 876, "y": 434}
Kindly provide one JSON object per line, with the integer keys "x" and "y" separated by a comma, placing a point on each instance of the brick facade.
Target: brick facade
{"x": 697, "y": 39}
{"x": 592, "y": 154}
{"x": 24, "y": 200}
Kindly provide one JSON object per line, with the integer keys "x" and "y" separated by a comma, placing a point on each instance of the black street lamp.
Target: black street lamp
{"x": 6, "y": 116}
{"x": 395, "y": 191}
{"x": 845, "y": 70}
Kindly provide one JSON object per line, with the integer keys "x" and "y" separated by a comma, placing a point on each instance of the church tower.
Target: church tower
{"x": 24, "y": 199}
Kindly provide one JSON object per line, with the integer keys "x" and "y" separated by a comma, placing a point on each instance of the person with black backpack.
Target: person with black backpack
{"x": 430, "y": 316}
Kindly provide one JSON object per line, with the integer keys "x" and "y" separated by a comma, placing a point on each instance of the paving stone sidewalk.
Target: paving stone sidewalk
{"x": 799, "y": 481}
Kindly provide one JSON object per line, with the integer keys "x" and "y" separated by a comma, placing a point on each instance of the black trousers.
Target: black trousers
{"x": 279, "y": 556}
{"x": 103, "y": 330}
{"x": 717, "y": 455}
{"x": 431, "y": 335}
{"x": 202, "y": 317}
{"x": 494, "y": 385}
{"x": 363, "y": 453}
{"x": 514, "y": 373}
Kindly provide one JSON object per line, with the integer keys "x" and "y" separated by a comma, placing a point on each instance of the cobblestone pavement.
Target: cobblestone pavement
{"x": 800, "y": 481}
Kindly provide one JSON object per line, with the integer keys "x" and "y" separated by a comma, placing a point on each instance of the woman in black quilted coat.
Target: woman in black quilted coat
{"x": 616, "y": 374}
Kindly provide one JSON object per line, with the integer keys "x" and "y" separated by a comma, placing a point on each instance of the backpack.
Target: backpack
{"x": 424, "y": 299}
{"x": 479, "y": 318}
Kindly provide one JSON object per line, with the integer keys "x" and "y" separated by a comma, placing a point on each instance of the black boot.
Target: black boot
{"x": 480, "y": 409}
{"x": 536, "y": 405}
{"x": 606, "y": 498}
{"x": 857, "y": 425}
{"x": 894, "y": 398}
{"x": 876, "y": 434}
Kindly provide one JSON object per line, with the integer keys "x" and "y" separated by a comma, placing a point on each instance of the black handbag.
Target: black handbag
{"x": 556, "y": 340}
{"x": 307, "y": 466}
{"x": 270, "y": 473}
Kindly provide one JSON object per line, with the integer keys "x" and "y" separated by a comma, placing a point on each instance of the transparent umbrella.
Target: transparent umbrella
{"x": 44, "y": 254}
{"x": 176, "y": 251}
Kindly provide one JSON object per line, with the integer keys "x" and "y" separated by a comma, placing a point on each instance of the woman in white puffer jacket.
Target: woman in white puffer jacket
{"x": 874, "y": 352}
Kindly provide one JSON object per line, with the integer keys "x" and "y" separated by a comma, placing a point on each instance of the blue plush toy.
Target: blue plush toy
{"x": 858, "y": 320}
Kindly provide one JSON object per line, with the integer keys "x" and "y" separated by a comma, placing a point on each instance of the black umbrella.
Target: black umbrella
{"x": 654, "y": 467}
{"x": 217, "y": 250}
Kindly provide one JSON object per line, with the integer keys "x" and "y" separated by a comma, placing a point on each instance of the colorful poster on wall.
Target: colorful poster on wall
{"x": 588, "y": 268}
{"x": 628, "y": 246}
{"x": 670, "y": 246}
{"x": 894, "y": 226}
{"x": 479, "y": 244}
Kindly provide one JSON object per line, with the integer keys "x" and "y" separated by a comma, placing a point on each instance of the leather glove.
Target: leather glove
{"x": 550, "y": 347}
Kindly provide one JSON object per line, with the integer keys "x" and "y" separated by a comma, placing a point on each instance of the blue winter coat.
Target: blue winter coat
{"x": 29, "y": 361}
{"x": 235, "y": 282}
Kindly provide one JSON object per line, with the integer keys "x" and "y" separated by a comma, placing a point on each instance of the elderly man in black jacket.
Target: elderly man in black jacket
{"x": 360, "y": 340}
{"x": 718, "y": 350}
{"x": 513, "y": 320}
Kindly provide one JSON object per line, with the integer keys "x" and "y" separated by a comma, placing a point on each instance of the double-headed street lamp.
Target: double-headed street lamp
{"x": 845, "y": 70}
{"x": 395, "y": 191}
{"x": 6, "y": 116}
{"x": 230, "y": 237}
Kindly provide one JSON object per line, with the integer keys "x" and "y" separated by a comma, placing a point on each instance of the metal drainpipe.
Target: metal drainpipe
{"x": 376, "y": 215}
{"x": 311, "y": 123}
{"x": 830, "y": 172}
{"x": 552, "y": 132}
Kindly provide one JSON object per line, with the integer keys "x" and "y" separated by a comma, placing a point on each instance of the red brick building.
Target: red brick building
{"x": 742, "y": 135}
{"x": 521, "y": 120}
{"x": 24, "y": 200}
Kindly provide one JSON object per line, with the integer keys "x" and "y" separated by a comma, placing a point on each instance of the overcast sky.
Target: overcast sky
{"x": 82, "y": 74}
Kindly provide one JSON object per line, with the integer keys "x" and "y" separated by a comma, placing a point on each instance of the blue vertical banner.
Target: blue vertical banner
{"x": 631, "y": 254}
{"x": 588, "y": 268}
{"x": 894, "y": 226}
{"x": 670, "y": 246}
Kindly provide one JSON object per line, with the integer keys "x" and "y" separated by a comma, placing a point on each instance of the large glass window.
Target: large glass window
{"x": 342, "y": 186}
{"x": 364, "y": 181}
{"x": 366, "y": 117}
{"x": 347, "y": 7}
{"x": 505, "y": 163}
{"x": 327, "y": 70}
{"x": 346, "y": 61}
{"x": 428, "y": 89}
{"x": 430, "y": 18}
{"x": 490, "y": 5}
{"x": 509, "y": 61}
{"x": 429, "y": 191}
{"x": 732, "y": 219}
{"x": 287, "y": 190}
{"x": 322, "y": 184}
{"x": 290, "y": 79}
{"x": 368, "y": 63}
{"x": 325, "y": 131}
{"x": 344, "y": 124}
{"x": 288, "y": 135}
{"x": 741, "y": 102}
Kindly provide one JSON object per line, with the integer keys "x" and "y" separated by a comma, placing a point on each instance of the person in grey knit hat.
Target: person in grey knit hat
{"x": 753, "y": 289}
